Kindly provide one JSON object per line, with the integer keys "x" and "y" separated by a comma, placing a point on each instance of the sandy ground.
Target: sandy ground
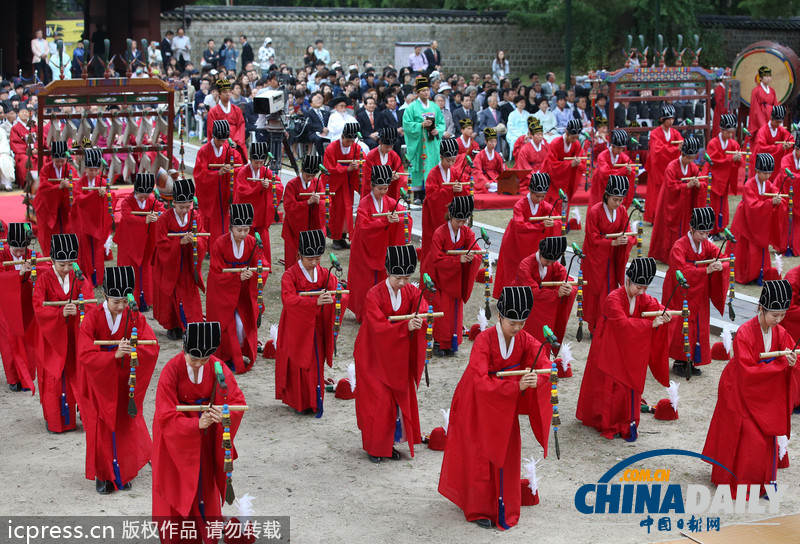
{"x": 315, "y": 471}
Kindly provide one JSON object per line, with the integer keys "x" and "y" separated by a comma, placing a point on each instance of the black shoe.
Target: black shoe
{"x": 175, "y": 334}
{"x": 345, "y": 243}
{"x": 696, "y": 371}
{"x": 230, "y": 366}
{"x": 374, "y": 459}
{"x": 337, "y": 244}
{"x": 144, "y": 308}
{"x": 679, "y": 368}
{"x": 15, "y": 387}
{"x": 104, "y": 487}
{"x": 126, "y": 487}
{"x": 396, "y": 455}
{"x": 484, "y": 523}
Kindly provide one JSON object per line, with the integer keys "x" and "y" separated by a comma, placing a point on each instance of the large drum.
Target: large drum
{"x": 785, "y": 69}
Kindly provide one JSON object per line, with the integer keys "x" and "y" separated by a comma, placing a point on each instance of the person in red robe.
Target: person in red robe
{"x": 467, "y": 145}
{"x": 54, "y": 198}
{"x": 553, "y": 304}
{"x": 215, "y": 183}
{"x": 226, "y": 111}
{"x": 606, "y": 165}
{"x": 522, "y": 236}
{"x": 773, "y": 138}
{"x": 664, "y": 147}
{"x": 58, "y": 325}
{"x": 682, "y": 191}
{"x": 384, "y": 154}
{"x": 625, "y": 344}
{"x": 726, "y": 158}
{"x": 604, "y": 260}
{"x": 453, "y": 275}
{"x": 754, "y": 400}
{"x": 719, "y": 106}
{"x": 343, "y": 179}
{"x": 530, "y": 154}
{"x": 762, "y": 99}
{"x": 190, "y": 479}
{"x": 19, "y": 144}
{"x": 488, "y": 163}
{"x": 136, "y": 235}
{"x": 564, "y": 163}
{"x": 759, "y": 221}
{"x": 18, "y": 330}
{"x": 302, "y": 351}
{"x": 117, "y": 440}
{"x": 706, "y": 282}
{"x": 438, "y": 196}
{"x": 788, "y": 184}
{"x": 302, "y": 212}
{"x": 482, "y": 455}
{"x": 390, "y": 359}
{"x": 792, "y": 325}
{"x": 258, "y": 186}
{"x": 232, "y": 297}
{"x": 90, "y": 218}
{"x": 594, "y": 146}
{"x": 177, "y": 262}
{"x": 371, "y": 236}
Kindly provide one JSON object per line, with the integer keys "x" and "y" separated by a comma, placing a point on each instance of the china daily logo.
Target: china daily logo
{"x": 644, "y": 491}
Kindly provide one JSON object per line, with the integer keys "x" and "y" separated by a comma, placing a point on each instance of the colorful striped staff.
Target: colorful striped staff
{"x": 81, "y": 308}
{"x": 70, "y": 186}
{"x": 639, "y": 234}
{"x": 33, "y": 268}
{"x": 260, "y": 287}
{"x": 132, "y": 411}
{"x": 789, "y": 247}
{"x": 231, "y": 180}
{"x": 360, "y": 163}
{"x": 685, "y": 331}
{"x": 337, "y": 315}
{"x": 579, "y": 298}
{"x": 747, "y": 163}
{"x": 406, "y": 231}
{"x": 551, "y": 339}
{"x": 182, "y": 123}
{"x": 707, "y": 157}
{"x": 732, "y": 289}
{"x": 429, "y": 339}
{"x": 471, "y": 175}
{"x": 487, "y": 274}
{"x": 227, "y": 444}
{"x": 110, "y": 205}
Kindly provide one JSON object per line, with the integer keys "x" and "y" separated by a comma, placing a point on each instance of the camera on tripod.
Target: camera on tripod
{"x": 269, "y": 102}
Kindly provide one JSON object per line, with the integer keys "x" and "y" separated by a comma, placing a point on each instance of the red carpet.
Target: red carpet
{"x": 492, "y": 201}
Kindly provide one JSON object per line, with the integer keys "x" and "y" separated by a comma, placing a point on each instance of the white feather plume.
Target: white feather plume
{"x": 446, "y": 416}
{"x": 415, "y": 284}
{"x": 482, "y": 321}
{"x": 566, "y": 356}
{"x": 244, "y": 504}
{"x": 351, "y": 376}
{"x": 778, "y": 262}
{"x": 672, "y": 394}
{"x": 727, "y": 340}
{"x": 575, "y": 214}
{"x": 107, "y": 245}
{"x": 530, "y": 474}
{"x": 783, "y": 446}
{"x": 273, "y": 334}
{"x": 634, "y": 226}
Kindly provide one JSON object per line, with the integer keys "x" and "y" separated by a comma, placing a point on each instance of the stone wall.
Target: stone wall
{"x": 736, "y": 39}
{"x": 468, "y": 40}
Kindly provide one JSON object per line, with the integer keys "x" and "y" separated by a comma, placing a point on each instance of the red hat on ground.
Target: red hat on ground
{"x": 561, "y": 372}
{"x": 719, "y": 353}
{"x": 437, "y": 439}
{"x": 667, "y": 409}
{"x": 269, "y": 350}
{"x": 474, "y": 331}
{"x": 344, "y": 391}
{"x": 528, "y": 497}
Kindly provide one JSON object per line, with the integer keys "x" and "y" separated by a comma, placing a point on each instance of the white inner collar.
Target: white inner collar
{"x": 505, "y": 352}
{"x": 64, "y": 282}
{"x": 766, "y": 88}
{"x": 307, "y": 275}
{"x": 217, "y": 151}
{"x": 384, "y": 158}
{"x": 345, "y": 150}
{"x": 455, "y": 236}
{"x": 113, "y": 324}
{"x": 723, "y": 141}
{"x": 190, "y": 371}
{"x": 534, "y": 207}
{"x": 396, "y": 299}
{"x": 181, "y": 222}
{"x": 223, "y": 108}
{"x": 445, "y": 174}
{"x": 489, "y": 156}
{"x": 542, "y": 268}
{"x": 695, "y": 248}
{"x": 238, "y": 250}
{"x": 612, "y": 216}
{"x": 667, "y": 133}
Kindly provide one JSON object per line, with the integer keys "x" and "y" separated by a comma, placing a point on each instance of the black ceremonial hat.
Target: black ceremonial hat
{"x": 92, "y": 158}
{"x": 18, "y": 235}
{"x": 461, "y": 207}
{"x": 515, "y": 303}
{"x": 119, "y": 281}
{"x": 540, "y": 182}
{"x": 702, "y": 219}
{"x": 574, "y": 126}
{"x": 552, "y": 247}
{"x": 642, "y": 270}
{"x": 448, "y": 148}
{"x": 401, "y": 260}
{"x": 64, "y": 247}
{"x": 388, "y": 135}
{"x": 350, "y": 131}
{"x": 202, "y": 339}
{"x": 765, "y": 162}
{"x": 617, "y": 185}
{"x": 58, "y": 149}
{"x": 311, "y": 164}
{"x": 144, "y": 183}
{"x": 776, "y": 295}
{"x": 779, "y": 112}
{"x": 312, "y": 243}
{"x": 667, "y": 112}
{"x": 619, "y": 138}
{"x": 221, "y": 130}
{"x": 381, "y": 174}
{"x": 241, "y": 215}
{"x": 691, "y": 146}
{"x": 183, "y": 191}
{"x": 727, "y": 121}
{"x": 258, "y": 151}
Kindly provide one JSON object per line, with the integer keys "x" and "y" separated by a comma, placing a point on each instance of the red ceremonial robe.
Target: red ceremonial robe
{"x": 761, "y": 103}
{"x": 481, "y": 464}
{"x": 228, "y": 295}
{"x": 113, "y": 437}
{"x": 91, "y": 222}
{"x": 18, "y": 330}
{"x": 17, "y": 141}
{"x": 265, "y": 202}
{"x": 343, "y": 183}
{"x": 521, "y": 239}
{"x": 437, "y": 198}
{"x": 702, "y": 288}
{"x": 374, "y": 158}
{"x": 719, "y": 107}
{"x": 603, "y": 168}
{"x": 562, "y": 174}
{"x": 136, "y": 241}
{"x": 487, "y": 170}
{"x": 674, "y": 209}
{"x": 528, "y": 157}
{"x": 787, "y": 185}
{"x": 298, "y": 215}
{"x": 757, "y": 223}
{"x": 235, "y": 119}
{"x": 176, "y": 298}
{"x": 188, "y": 477}
{"x": 550, "y": 309}
{"x": 59, "y": 379}
{"x": 662, "y": 152}
{"x": 214, "y": 190}
{"x": 389, "y": 365}
{"x": 724, "y": 178}
{"x": 470, "y": 148}
{"x": 624, "y": 346}
{"x": 52, "y": 204}
{"x": 302, "y": 352}
{"x": 753, "y": 408}
{"x": 371, "y": 237}
{"x": 792, "y": 323}
{"x": 604, "y": 264}
{"x": 453, "y": 280}
{"x": 764, "y": 142}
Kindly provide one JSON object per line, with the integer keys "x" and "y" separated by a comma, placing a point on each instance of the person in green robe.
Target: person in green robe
{"x": 423, "y": 125}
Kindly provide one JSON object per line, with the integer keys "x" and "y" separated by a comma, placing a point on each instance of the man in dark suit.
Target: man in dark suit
{"x": 434, "y": 56}
{"x": 490, "y": 117}
{"x": 368, "y": 121}
{"x": 392, "y": 117}
{"x": 317, "y": 128}
{"x": 166, "y": 48}
{"x": 247, "y": 51}
{"x": 464, "y": 112}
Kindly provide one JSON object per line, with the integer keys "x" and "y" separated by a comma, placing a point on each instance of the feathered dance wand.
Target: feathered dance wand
{"x": 427, "y": 285}
{"x": 577, "y": 252}
{"x": 487, "y": 273}
{"x": 551, "y": 339}
{"x": 227, "y": 442}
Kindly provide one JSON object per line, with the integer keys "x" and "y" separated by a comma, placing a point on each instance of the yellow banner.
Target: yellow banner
{"x": 69, "y": 30}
